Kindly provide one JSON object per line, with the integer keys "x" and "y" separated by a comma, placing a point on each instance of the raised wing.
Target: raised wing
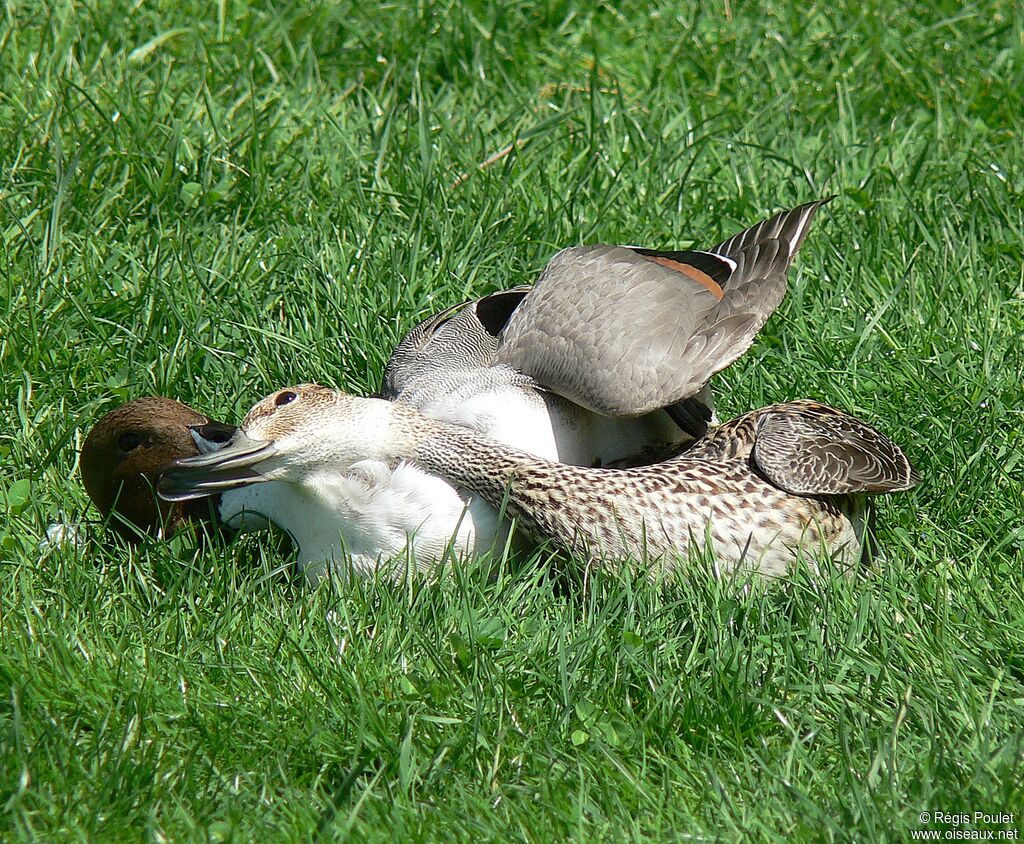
{"x": 791, "y": 226}
{"x": 601, "y": 326}
{"x": 625, "y": 331}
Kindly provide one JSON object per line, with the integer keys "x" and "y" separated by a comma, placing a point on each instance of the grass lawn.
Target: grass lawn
{"x": 211, "y": 200}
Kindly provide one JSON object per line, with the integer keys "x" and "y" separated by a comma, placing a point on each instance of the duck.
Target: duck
{"x": 125, "y": 451}
{"x": 775, "y": 485}
{"x": 606, "y": 359}
{"x": 392, "y": 511}
{"x": 553, "y": 370}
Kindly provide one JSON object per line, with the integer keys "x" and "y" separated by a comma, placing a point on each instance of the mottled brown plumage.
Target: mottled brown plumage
{"x": 760, "y": 489}
{"x": 729, "y": 491}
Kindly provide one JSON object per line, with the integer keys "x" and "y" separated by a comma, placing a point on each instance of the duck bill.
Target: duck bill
{"x": 232, "y": 466}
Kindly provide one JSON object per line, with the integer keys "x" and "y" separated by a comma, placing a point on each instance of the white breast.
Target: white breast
{"x": 364, "y": 521}
{"x": 368, "y": 518}
{"x": 548, "y": 426}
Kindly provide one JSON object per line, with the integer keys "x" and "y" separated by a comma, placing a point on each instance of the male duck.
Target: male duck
{"x": 607, "y": 357}
{"x": 573, "y": 370}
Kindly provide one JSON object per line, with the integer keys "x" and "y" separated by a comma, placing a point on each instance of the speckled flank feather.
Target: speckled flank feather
{"x": 661, "y": 511}
{"x": 719, "y": 492}
{"x": 808, "y": 448}
{"x": 725, "y": 490}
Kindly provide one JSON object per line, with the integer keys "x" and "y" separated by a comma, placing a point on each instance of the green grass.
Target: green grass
{"x": 212, "y": 200}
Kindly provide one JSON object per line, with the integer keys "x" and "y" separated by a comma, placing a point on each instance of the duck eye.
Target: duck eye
{"x": 129, "y": 441}
{"x": 286, "y": 397}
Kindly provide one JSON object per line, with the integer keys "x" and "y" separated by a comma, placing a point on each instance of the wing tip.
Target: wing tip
{"x": 783, "y": 449}
{"x": 791, "y": 226}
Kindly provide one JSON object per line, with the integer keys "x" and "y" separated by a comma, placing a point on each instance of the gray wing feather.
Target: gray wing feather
{"x": 760, "y": 281}
{"x": 710, "y": 351}
{"x": 622, "y": 335}
{"x": 810, "y": 449}
{"x": 790, "y": 226}
{"x": 606, "y": 327}
{"x": 461, "y": 337}
{"x": 612, "y": 329}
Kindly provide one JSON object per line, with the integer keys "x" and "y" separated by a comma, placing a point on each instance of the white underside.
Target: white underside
{"x": 551, "y": 427}
{"x": 371, "y": 520}
{"x": 375, "y": 519}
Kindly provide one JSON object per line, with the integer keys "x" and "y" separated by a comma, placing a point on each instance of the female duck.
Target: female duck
{"x": 763, "y": 489}
{"x": 576, "y": 372}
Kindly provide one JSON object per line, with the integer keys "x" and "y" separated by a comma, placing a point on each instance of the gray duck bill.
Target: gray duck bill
{"x": 227, "y": 468}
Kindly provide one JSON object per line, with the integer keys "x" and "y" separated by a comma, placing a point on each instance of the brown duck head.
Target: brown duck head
{"x": 126, "y": 451}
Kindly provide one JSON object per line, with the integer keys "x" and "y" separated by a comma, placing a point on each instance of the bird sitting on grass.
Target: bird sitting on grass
{"x": 604, "y": 362}
{"x": 779, "y": 483}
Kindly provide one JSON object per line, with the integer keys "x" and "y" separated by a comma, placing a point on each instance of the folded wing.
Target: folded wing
{"x": 810, "y": 449}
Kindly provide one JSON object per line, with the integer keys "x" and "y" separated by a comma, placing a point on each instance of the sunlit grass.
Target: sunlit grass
{"x": 212, "y": 200}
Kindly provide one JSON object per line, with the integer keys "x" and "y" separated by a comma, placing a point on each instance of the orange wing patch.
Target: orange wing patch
{"x": 699, "y": 276}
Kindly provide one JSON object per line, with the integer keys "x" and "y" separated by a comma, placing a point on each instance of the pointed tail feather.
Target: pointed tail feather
{"x": 790, "y": 227}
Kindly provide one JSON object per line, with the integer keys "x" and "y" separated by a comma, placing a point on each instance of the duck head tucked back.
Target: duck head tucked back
{"x": 127, "y": 449}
